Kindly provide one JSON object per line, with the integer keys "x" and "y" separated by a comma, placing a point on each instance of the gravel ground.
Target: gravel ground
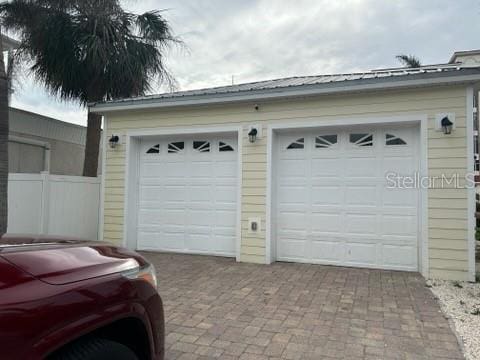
{"x": 460, "y": 301}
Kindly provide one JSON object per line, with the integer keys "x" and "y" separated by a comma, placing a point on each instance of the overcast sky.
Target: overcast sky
{"x": 264, "y": 39}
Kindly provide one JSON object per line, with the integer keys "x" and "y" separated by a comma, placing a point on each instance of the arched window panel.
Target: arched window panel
{"x": 394, "y": 140}
{"x": 325, "y": 141}
{"x": 297, "y": 144}
{"x": 224, "y": 147}
{"x": 201, "y": 146}
{"x": 155, "y": 149}
{"x": 176, "y": 147}
{"x": 361, "y": 139}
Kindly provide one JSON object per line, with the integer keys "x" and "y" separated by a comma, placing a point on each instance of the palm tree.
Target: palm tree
{"x": 4, "y": 128}
{"x": 90, "y": 51}
{"x": 409, "y": 61}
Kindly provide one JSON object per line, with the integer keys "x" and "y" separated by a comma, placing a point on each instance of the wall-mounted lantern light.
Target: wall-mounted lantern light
{"x": 445, "y": 122}
{"x": 447, "y": 125}
{"x": 114, "y": 140}
{"x": 252, "y": 135}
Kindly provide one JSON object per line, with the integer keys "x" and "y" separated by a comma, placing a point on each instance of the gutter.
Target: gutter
{"x": 283, "y": 92}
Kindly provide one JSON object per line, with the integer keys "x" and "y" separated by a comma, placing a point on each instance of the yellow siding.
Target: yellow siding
{"x": 447, "y": 213}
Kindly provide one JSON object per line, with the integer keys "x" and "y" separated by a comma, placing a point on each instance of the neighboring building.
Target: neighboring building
{"x": 38, "y": 143}
{"x": 312, "y": 186}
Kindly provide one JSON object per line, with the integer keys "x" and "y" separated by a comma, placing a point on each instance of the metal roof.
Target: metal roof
{"x": 284, "y": 85}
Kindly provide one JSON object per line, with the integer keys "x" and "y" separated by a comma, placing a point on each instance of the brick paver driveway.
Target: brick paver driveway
{"x": 217, "y": 308}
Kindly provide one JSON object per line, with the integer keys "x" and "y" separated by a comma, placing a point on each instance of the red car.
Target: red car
{"x": 71, "y": 299}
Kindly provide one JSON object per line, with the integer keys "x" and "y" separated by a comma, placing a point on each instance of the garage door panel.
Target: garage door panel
{"x": 200, "y": 194}
{"x": 361, "y": 195}
{"x": 403, "y": 225}
{"x": 361, "y": 223}
{"x": 225, "y": 194}
{"x": 361, "y": 167}
{"x": 226, "y": 218}
{"x": 188, "y": 197}
{"x": 173, "y": 217}
{"x": 152, "y": 169}
{"x": 173, "y": 194}
{"x": 150, "y": 217}
{"x": 223, "y": 230}
{"x": 361, "y": 253}
{"x": 326, "y": 223}
{"x": 149, "y": 206}
{"x": 200, "y": 169}
{"x": 170, "y": 170}
{"x": 400, "y": 197}
{"x": 329, "y": 251}
{"x": 226, "y": 210}
{"x": 293, "y": 221}
{"x": 168, "y": 241}
{"x": 325, "y": 168}
{"x": 292, "y": 168}
{"x": 297, "y": 235}
{"x": 200, "y": 217}
{"x": 292, "y": 183}
{"x": 292, "y": 249}
{"x": 226, "y": 169}
{"x": 199, "y": 242}
{"x": 326, "y": 195}
{"x": 150, "y": 193}
{"x": 402, "y": 256}
{"x": 339, "y": 210}
{"x": 399, "y": 165}
{"x": 293, "y": 195}
{"x": 224, "y": 244}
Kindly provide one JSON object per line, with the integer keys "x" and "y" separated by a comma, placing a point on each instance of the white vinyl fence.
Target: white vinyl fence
{"x": 53, "y": 205}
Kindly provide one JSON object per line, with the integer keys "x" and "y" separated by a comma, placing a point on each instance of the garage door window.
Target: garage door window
{"x": 222, "y": 147}
{"x": 361, "y": 139}
{"x": 394, "y": 140}
{"x": 325, "y": 141}
{"x": 155, "y": 149}
{"x": 176, "y": 147}
{"x": 201, "y": 146}
{"x": 297, "y": 144}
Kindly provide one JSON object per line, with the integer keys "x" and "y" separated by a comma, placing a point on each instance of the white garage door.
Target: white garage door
{"x": 334, "y": 204}
{"x": 188, "y": 195}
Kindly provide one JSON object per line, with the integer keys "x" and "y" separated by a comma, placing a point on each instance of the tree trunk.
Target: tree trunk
{"x": 4, "y": 128}
{"x": 94, "y": 128}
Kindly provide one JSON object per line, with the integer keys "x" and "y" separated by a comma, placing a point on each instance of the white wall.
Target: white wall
{"x": 53, "y": 205}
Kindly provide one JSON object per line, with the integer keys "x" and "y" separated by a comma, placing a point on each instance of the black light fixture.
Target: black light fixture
{"x": 114, "y": 141}
{"x": 252, "y": 135}
{"x": 446, "y": 125}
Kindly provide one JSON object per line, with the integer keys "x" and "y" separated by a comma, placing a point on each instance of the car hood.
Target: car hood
{"x": 60, "y": 261}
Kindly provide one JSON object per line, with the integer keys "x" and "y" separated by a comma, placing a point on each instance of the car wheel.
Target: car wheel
{"x": 96, "y": 349}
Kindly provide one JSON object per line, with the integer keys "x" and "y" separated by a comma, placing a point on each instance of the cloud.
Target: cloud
{"x": 263, "y": 39}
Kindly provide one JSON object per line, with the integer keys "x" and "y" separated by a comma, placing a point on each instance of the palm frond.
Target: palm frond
{"x": 409, "y": 61}
{"x": 91, "y": 50}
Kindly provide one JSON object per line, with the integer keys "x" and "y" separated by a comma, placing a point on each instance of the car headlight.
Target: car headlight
{"x": 146, "y": 273}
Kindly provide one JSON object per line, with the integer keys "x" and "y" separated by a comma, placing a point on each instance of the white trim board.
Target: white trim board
{"x": 471, "y": 191}
{"x": 419, "y": 119}
{"x": 132, "y": 141}
{"x": 101, "y": 213}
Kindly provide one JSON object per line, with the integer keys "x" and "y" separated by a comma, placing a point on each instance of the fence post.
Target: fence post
{"x": 45, "y": 213}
